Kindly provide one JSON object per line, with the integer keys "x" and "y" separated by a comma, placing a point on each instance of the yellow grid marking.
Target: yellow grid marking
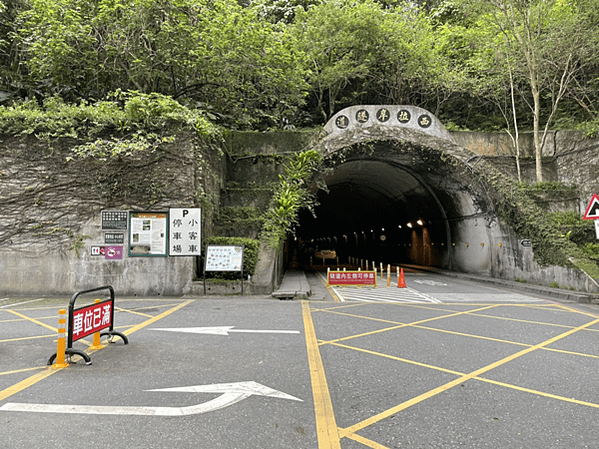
{"x": 28, "y": 338}
{"x": 119, "y": 309}
{"x": 33, "y": 320}
{"x": 14, "y": 389}
{"x": 18, "y": 320}
{"x": 399, "y": 326}
{"x": 366, "y": 441}
{"x": 474, "y": 374}
{"x": 22, "y": 370}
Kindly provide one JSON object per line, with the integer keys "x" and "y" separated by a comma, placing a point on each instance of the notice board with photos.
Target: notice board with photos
{"x": 224, "y": 258}
{"x": 148, "y": 233}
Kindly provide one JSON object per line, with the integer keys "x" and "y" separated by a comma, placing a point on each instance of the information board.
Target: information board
{"x": 148, "y": 233}
{"x": 224, "y": 258}
{"x": 114, "y": 219}
{"x": 185, "y": 227}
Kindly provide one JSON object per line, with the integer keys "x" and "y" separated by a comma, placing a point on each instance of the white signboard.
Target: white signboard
{"x": 185, "y": 227}
{"x": 224, "y": 258}
{"x": 147, "y": 233}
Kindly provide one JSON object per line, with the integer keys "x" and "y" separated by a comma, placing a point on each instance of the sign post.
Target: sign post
{"x": 223, "y": 258}
{"x": 346, "y": 278}
{"x": 148, "y": 234}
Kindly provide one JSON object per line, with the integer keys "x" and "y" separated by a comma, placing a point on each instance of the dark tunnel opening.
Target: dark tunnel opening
{"x": 374, "y": 210}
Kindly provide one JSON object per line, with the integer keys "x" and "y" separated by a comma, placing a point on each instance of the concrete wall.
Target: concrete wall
{"x": 50, "y": 210}
{"x": 50, "y": 214}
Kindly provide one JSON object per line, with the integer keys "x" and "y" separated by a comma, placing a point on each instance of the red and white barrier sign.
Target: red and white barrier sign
{"x": 351, "y": 278}
{"x": 90, "y": 319}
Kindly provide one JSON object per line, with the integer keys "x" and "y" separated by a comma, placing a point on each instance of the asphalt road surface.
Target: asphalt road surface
{"x": 443, "y": 363}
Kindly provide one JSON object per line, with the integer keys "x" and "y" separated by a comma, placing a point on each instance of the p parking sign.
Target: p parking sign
{"x": 185, "y": 228}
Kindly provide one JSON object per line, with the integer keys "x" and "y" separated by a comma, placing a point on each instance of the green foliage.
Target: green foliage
{"x": 254, "y": 64}
{"x": 122, "y": 112}
{"x": 367, "y": 52}
{"x": 572, "y": 226}
{"x": 215, "y": 55}
{"x": 291, "y": 195}
{"x": 250, "y": 254}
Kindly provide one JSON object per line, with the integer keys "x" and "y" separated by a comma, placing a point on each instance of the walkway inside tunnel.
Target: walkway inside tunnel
{"x": 375, "y": 210}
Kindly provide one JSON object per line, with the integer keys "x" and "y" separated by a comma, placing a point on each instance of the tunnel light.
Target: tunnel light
{"x": 420, "y": 222}
{"x": 383, "y": 229}
{"x": 399, "y": 226}
{"x": 409, "y": 225}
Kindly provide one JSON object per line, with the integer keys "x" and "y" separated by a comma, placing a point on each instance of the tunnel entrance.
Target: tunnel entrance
{"x": 376, "y": 210}
{"x": 398, "y": 191}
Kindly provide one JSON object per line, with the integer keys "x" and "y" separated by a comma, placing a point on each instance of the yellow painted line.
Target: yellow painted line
{"x": 399, "y": 359}
{"x": 427, "y": 320}
{"x": 342, "y": 306}
{"x": 479, "y": 337}
{"x": 49, "y": 371}
{"x": 326, "y": 426}
{"x": 28, "y": 338}
{"x": 383, "y": 415}
{"x": 22, "y": 370}
{"x": 16, "y": 388}
{"x": 458, "y": 373}
{"x": 16, "y": 320}
{"x": 119, "y": 309}
{"x": 157, "y": 317}
{"x": 33, "y": 320}
{"x": 328, "y": 287}
{"x": 539, "y": 393}
{"x": 542, "y": 323}
{"x": 573, "y": 310}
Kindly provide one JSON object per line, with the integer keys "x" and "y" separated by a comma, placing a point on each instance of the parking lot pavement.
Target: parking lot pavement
{"x": 254, "y": 372}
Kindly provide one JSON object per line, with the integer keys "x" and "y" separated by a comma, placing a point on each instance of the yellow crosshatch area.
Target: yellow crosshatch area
{"x": 35, "y": 321}
{"x": 386, "y": 331}
{"x": 374, "y": 368}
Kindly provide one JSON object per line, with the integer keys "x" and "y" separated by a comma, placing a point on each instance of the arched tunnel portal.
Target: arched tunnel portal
{"x": 395, "y": 194}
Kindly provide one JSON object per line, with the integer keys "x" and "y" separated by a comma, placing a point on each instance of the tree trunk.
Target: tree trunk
{"x": 536, "y": 136}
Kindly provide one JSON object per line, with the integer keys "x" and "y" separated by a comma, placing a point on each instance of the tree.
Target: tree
{"x": 551, "y": 44}
{"x": 215, "y": 54}
{"x": 369, "y": 52}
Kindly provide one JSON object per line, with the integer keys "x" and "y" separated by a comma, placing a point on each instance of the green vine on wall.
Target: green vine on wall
{"x": 119, "y": 144}
{"x": 515, "y": 204}
{"x": 291, "y": 195}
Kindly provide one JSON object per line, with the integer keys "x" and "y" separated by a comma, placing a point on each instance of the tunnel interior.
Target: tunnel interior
{"x": 394, "y": 204}
{"x": 379, "y": 211}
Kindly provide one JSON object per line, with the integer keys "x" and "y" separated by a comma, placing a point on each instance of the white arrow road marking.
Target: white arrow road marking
{"x": 221, "y": 330}
{"x": 231, "y": 394}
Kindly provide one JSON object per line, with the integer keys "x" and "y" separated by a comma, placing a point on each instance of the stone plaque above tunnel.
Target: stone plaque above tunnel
{"x": 363, "y": 117}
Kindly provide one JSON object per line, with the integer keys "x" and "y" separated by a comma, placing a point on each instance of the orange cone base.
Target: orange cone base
{"x": 401, "y": 282}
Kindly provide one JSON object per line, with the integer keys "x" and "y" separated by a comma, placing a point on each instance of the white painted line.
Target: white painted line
{"x": 231, "y": 394}
{"x": 19, "y": 303}
{"x": 222, "y": 330}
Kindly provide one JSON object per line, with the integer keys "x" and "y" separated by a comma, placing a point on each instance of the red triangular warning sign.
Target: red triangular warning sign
{"x": 592, "y": 212}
